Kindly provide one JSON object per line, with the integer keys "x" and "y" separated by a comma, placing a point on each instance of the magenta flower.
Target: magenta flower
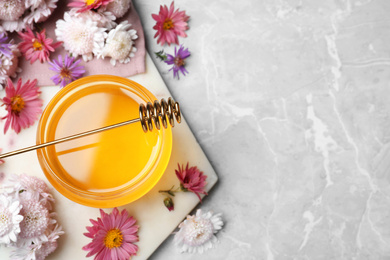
{"x": 5, "y": 48}
{"x": 36, "y": 47}
{"x": 113, "y": 236}
{"x": 85, "y": 5}
{"x": 178, "y": 61}
{"x": 22, "y": 104}
{"x": 191, "y": 179}
{"x": 68, "y": 70}
{"x": 170, "y": 24}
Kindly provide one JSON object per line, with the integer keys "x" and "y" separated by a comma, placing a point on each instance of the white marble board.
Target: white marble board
{"x": 156, "y": 222}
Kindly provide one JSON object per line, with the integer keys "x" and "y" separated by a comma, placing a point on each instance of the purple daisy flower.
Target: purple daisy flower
{"x": 5, "y": 48}
{"x": 68, "y": 70}
{"x": 178, "y": 61}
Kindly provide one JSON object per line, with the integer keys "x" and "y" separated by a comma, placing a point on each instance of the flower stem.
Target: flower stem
{"x": 171, "y": 191}
{"x": 161, "y": 55}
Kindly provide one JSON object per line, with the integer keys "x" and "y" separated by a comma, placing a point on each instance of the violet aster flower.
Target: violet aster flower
{"x": 68, "y": 70}
{"x": 5, "y": 48}
{"x": 178, "y": 61}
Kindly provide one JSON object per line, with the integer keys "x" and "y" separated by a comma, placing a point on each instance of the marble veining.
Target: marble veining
{"x": 289, "y": 100}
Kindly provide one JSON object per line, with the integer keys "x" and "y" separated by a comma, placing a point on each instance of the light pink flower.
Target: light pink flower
{"x": 11, "y": 10}
{"x": 85, "y": 5}
{"x": 36, "y": 47}
{"x": 36, "y": 219}
{"x": 170, "y": 24}
{"x": 22, "y": 103}
{"x": 197, "y": 233}
{"x": 192, "y": 179}
{"x": 113, "y": 236}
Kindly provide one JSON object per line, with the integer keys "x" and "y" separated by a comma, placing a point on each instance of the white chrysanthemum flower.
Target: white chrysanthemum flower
{"x": 39, "y": 248}
{"x": 40, "y": 13}
{"x": 196, "y": 233}
{"x": 102, "y": 18}
{"x": 118, "y": 7}
{"x": 36, "y": 189}
{"x": 26, "y": 252}
{"x": 33, "y": 4}
{"x": 14, "y": 26}
{"x": 9, "y": 66}
{"x": 9, "y": 219}
{"x": 120, "y": 44}
{"x": 36, "y": 219}
{"x": 26, "y": 187}
{"x": 80, "y": 36}
{"x": 11, "y": 10}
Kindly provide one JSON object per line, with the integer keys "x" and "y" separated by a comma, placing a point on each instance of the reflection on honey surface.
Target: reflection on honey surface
{"x": 108, "y": 160}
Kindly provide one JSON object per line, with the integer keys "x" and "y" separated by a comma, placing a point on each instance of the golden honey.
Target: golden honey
{"x": 106, "y": 169}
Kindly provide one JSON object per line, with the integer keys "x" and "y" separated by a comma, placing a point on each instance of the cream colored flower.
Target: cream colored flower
{"x": 196, "y": 233}
{"x": 9, "y": 219}
{"x": 120, "y": 44}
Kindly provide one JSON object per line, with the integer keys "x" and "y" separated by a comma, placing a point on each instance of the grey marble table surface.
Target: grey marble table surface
{"x": 290, "y": 102}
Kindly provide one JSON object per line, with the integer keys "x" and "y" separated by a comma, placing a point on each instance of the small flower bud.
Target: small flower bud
{"x": 168, "y": 202}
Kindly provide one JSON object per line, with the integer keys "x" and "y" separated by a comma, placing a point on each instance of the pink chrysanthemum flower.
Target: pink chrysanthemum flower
{"x": 84, "y": 5}
{"x": 170, "y": 24}
{"x": 28, "y": 187}
{"x": 113, "y": 236}
{"x": 191, "y": 179}
{"x": 36, "y": 47}
{"x": 22, "y": 104}
{"x": 36, "y": 219}
{"x": 196, "y": 233}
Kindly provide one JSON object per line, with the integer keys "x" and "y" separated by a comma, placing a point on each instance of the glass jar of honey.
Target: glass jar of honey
{"x": 106, "y": 169}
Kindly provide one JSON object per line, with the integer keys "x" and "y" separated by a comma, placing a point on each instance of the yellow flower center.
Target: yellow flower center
{"x": 17, "y": 104}
{"x": 179, "y": 62}
{"x": 113, "y": 238}
{"x": 90, "y": 2}
{"x": 37, "y": 45}
{"x": 168, "y": 24}
{"x": 65, "y": 73}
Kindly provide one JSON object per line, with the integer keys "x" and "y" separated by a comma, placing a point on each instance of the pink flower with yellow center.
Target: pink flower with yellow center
{"x": 22, "y": 103}
{"x": 170, "y": 24}
{"x": 36, "y": 47}
{"x": 113, "y": 236}
{"x": 85, "y": 5}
